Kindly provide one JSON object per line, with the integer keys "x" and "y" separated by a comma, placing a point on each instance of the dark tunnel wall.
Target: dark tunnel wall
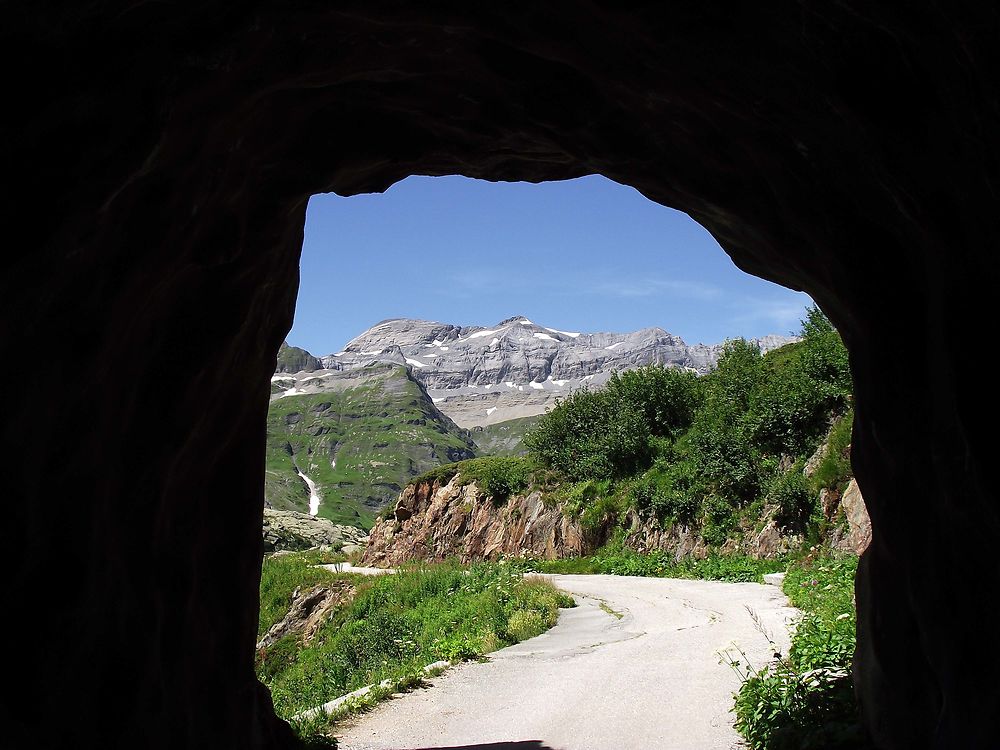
{"x": 158, "y": 160}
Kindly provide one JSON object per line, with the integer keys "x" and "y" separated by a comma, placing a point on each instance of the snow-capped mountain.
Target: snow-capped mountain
{"x": 516, "y": 368}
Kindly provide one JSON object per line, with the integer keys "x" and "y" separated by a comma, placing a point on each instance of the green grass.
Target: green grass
{"x": 397, "y": 624}
{"x": 380, "y": 430}
{"x": 281, "y": 575}
{"x": 616, "y": 560}
{"x": 613, "y": 612}
{"x": 806, "y": 699}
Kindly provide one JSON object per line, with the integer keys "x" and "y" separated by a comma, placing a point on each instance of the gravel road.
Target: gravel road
{"x": 651, "y": 679}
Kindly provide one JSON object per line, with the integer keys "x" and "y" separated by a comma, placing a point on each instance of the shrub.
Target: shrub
{"x": 718, "y": 521}
{"x": 498, "y": 476}
{"x": 604, "y": 509}
{"x": 668, "y": 491}
{"x": 796, "y": 501}
{"x": 525, "y": 624}
{"x": 834, "y": 469}
{"x": 590, "y": 435}
{"x": 665, "y": 396}
{"x": 806, "y": 700}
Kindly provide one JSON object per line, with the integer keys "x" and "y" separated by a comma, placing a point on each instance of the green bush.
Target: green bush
{"x": 796, "y": 501}
{"x": 666, "y": 396}
{"x": 806, "y": 700}
{"x": 668, "y": 491}
{"x": 498, "y": 476}
{"x": 719, "y": 520}
{"x": 590, "y": 435}
{"x": 706, "y": 451}
{"x": 604, "y": 510}
{"x": 834, "y": 469}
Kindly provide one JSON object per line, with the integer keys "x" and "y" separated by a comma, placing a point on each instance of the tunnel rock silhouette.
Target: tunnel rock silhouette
{"x": 159, "y": 160}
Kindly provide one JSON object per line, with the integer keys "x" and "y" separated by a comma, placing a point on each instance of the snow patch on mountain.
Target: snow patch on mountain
{"x": 516, "y": 367}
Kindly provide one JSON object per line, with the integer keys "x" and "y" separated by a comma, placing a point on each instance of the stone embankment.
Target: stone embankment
{"x": 434, "y": 520}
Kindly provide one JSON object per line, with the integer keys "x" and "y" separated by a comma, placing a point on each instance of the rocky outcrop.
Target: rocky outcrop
{"x": 857, "y": 535}
{"x": 432, "y": 521}
{"x": 293, "y": 359}
{"x": 516, "y": 368}
{"x": 308, "y": 611}
{"x": 160, "y": 158}
{"x": 288, "y": 530}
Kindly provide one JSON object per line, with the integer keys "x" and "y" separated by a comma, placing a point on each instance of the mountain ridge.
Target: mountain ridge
{"x": 480, "y": 375}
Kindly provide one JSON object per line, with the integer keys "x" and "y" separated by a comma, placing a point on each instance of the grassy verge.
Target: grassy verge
{"x": 806, "y": 700}
{"x": 395, "y": 626}
{"x": 616, "y": 560}
{"x": 281, "y": 575}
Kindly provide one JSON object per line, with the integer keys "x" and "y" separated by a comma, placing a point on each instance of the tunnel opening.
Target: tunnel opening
{"x": 412, "y": 365}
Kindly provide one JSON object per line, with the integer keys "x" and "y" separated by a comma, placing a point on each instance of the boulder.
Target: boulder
{"x": 289, "y": 530}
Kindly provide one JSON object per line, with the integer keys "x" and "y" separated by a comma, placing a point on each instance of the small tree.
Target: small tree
{"x": 666, "y": 396}
{"x": 591, "y": 435}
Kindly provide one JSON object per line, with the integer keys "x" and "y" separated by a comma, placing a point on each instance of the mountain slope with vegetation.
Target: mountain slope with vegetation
{"x": 715, "y": 453}
{"x": 503, "y": 438}
{"x": 481, "y": 376}
{"x": 292, "y": 359}
{"x": 359, "y": 440}
{"x": 750, "y": 458}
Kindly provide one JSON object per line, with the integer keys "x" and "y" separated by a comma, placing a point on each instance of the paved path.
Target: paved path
{"x": 650, "y": 680}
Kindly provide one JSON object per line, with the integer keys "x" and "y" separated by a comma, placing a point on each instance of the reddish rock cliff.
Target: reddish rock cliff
{"x": 434, "y": 521}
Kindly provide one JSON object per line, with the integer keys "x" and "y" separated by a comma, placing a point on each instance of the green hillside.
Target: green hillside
{"x": 360, "y": 439}
{"x": 503, "y": 438}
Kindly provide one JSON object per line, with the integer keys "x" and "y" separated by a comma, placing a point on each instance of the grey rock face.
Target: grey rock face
{"x": 294, "y": 359}
{"x": 288, "y": 530}
{"x": 516, "y": 368}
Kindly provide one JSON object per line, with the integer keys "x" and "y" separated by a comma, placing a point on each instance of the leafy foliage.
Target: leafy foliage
{"x": 834, "y": 469}
{"x": 806, "y": 699}
{"x": 665, "y": 396}
{"x": 590, "y": 435}
{"x": 712, "y": 451}
{"x": 498, "y": 476}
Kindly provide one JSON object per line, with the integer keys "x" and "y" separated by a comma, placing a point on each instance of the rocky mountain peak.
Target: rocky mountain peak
{"x": 517, "y": 368}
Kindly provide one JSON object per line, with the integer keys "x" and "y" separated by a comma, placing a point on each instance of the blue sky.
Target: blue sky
{"x": 580, "y": 255}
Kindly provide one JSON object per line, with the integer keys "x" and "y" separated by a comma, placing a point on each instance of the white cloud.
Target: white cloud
{"x": 683, "y": 288}
{"x": 784, "y": 315}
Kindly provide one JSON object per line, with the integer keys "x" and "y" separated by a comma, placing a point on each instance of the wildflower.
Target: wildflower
{"x": 844, "y": 616}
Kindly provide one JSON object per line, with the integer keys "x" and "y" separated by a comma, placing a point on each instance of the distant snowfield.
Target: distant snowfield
{"x": 564, "y": 333}
{"x": 480, "y": 334}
